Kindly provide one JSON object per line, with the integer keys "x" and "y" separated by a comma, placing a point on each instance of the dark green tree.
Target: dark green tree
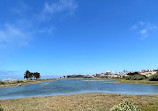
{"x": 27, "y": 74}
{"x": 31, "y": 75}
{"x": 37, "y": 75}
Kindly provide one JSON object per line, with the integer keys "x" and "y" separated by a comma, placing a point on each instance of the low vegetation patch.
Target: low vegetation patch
{"x": 1, "y": 109}
{"x": 2, "y": 83}
{"x": 125, "y": 106}
{"x": 154, "y": 77}
{"x": 135, "y": 77}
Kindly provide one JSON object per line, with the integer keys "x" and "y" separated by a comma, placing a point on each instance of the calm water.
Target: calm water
{"x": 74, "y": 86}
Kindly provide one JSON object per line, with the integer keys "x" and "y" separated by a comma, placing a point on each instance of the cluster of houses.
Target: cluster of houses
{"x": 110, "y": 74}
{"x": 9, "y": 80}
{"x": 148, "y": 72}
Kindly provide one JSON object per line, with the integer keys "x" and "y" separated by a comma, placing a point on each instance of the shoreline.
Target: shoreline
{"x": 25, "y": 82}
{"x": 86, "y": 93}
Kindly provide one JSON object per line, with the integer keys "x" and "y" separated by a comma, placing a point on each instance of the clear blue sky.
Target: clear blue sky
{"x": 60, "y": 37}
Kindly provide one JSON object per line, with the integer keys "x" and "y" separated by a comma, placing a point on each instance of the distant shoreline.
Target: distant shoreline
{"x": 24, "y": 82}
{"x": 121, "y": 80}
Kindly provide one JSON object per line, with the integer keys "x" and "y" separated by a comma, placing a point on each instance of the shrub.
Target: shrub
{"x": 154, "y": 77}
{"x": 104, "y": 77}
{"x": 135, "y": 77}
{"x": 132, "y": 73}
{"x": 19, "y": 81}
{"x": 125, "y": 106}
{"x": 1, "y": 82}
{"x": 1, "y": 109}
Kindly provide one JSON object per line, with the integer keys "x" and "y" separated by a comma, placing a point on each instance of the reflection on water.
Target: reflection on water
{"x": 74, "y": 86}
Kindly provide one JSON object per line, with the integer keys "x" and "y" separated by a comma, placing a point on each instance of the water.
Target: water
{"x": 74, "y": 86}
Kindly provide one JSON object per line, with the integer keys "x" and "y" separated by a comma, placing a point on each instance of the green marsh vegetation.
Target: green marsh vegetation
{"x": 80, "y": 102}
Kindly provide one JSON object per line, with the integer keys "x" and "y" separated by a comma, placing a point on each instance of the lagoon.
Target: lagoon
{"x": 75, "y": 86}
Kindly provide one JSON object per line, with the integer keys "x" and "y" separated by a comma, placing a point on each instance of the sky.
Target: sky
{"x": 62, "y": 37}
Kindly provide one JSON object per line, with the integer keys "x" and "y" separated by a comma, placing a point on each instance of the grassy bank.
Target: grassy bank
{"x": 122, "y": 80}
{"x": 23, "y": 82}
{"x": 145, "y": 81}
{"x": 79, "y": 102}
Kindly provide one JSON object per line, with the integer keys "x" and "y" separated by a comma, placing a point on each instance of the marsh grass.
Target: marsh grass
{"x": 145, "y": 81}
{"x": 79, "y": 102}
{"x": 122, "y": 80}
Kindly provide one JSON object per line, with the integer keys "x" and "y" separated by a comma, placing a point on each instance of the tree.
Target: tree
{"x": 37, "y": 75}
{"x": 31, "y": 75}
{"x": 132, "y": 73}
{"x": 27, "y": 74}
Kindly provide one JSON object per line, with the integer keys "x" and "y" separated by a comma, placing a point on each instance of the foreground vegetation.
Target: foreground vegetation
{"x": 1, "y": 109}
{"x": 125, "y": 106}
{"x": 4, "y": 84}
{"x": 79, "y": 102}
